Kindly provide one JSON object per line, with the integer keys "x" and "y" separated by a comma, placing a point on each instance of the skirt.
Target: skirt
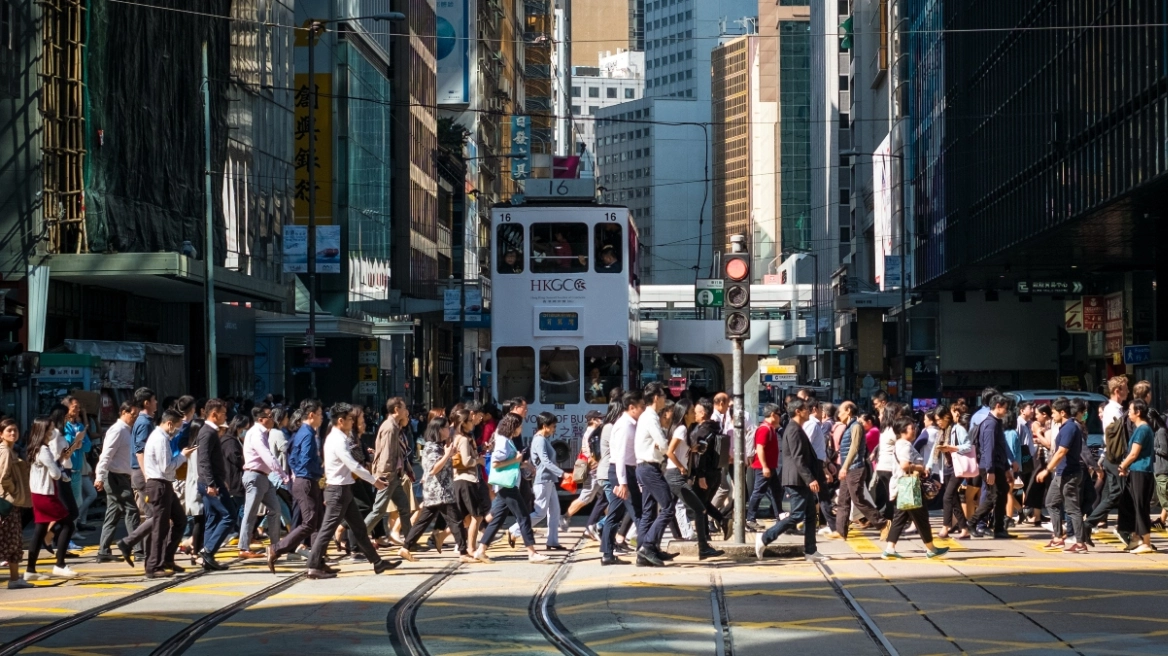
{"x": 11, "y": 537}
{"x": 467, "y": 498}
{"x": 48, "y": 508}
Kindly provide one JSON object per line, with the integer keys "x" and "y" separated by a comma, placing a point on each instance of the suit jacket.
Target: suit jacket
{"x": 799, "y": 461}
{"x": 211, "y": 470}
{"x": 232, "y": 450}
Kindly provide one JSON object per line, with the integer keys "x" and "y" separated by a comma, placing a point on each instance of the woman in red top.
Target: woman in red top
{"x": 871, "y": 431}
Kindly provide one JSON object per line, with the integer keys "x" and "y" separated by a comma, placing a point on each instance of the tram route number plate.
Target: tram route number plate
{"x": 559, "y": 321}
{"x": 708, "y": 292}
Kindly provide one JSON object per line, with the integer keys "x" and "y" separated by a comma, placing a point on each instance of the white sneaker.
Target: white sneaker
{"x": 35, "y": 576}
{"x": 64, "y": 572}
{"x": 537, "y": 558}
{"x": 782, "y": 516}
{"x": 1143, "y": 549}
{"x": 825, "y": 531}
{"x": 1096, "y": 530}
{"x": 759, "y": 546}
{"x": 1046, "y": 526}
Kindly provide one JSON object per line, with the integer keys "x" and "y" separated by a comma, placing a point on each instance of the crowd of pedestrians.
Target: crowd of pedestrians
{"x": 193, "y": 476}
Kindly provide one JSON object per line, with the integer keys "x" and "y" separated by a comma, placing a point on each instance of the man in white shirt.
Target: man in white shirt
{"x": 258, "y": 465}
{"x": 113, "y": 477}
{"x": 339, "y": 469}
{"x": 625, "y": 497}
{"x": 1117, "y": 390}
{"x": 1112, "y": 490}
{"x": 656, "y": 499}
{"x": 158, "y": 465}
{"x": 723, "y": 498}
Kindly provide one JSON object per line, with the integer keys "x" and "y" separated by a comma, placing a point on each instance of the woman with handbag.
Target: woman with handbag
{"x": 14, "y": 495}
{"x": 45, "y": 480}
{"x": 952, "y": 441}
{"x": 505, "y": 464}
{"x": 906, "y": 493}
{"x": 467, "y": 467}
{"x": 439, "y": 489}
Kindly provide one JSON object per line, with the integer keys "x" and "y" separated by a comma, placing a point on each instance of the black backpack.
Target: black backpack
{"x": 594, "y": 443}
{"x": 1115, "y": 441}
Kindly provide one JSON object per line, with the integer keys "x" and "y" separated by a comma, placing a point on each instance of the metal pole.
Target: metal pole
{"x": 815, "y": 299}
{"x": 739, "y": 448}
{"x": 209, "y": 245}
{"x": 903, "y": 318}
{"x": 310, "y": 336}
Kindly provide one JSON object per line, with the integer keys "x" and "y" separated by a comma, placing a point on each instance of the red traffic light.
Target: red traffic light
{"x": 736, "y": 269}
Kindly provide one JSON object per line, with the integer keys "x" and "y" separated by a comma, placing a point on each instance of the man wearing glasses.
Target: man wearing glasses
{"x": 258, "y": 463}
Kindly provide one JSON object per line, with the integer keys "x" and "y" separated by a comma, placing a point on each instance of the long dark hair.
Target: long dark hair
{"x": 614, "y": 412}
{"x": 57, "y": 415}
{"x": 241, "y": 422}
{"x": 433, "y": 431}
{"x": 680, "y": 410}
{"x": 38, "y": 436}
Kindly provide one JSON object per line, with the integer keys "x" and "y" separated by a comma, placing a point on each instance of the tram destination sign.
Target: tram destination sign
{"x": 1056, "y": 287}
{"x": 708, "y": 292}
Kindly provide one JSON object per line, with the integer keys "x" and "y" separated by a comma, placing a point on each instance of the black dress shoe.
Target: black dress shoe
{"x": 210, "y": 564}
{"x": 385, "y": 565}
{"x": 727, "y": 529}
{"x": 331, "y": 570}
{"x": 317, "y": 574}
{"x": 1002, "y": 535}
{"x": 177, "y": 569}
{"x": 127, "y": 553}
{"x": 666, "y": 556}
{"x": 159, "y": 574}
{"x": 105, "y": 558}
{"x": 646, "y": 558}
{"x": 605, "y": 560}
{"x": 709, "y": 552}
{"x": 557, "y": 547}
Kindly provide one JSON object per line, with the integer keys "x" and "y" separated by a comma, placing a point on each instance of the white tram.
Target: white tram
{"x": 564, "y": 301}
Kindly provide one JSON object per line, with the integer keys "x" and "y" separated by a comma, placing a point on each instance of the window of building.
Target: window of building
{"x": 605, "y": 371}
{"x": 575, "y": 92}
{"x": 593, "y": 92}
{"x": 689, "y": 74}
{"x": 559, "y": 248}
{"x": 646, "y": 152}
{"x": 515, "y": 366}
{"x": 673, "y": 77}
{"x": 689, "y": 14}
{"x": 575, "y": 109}
{"x": 592, "y": 111}
{"x": 610, "y": 92}
{"x": 509, "y": 249}
{"x": 628, "y": 94}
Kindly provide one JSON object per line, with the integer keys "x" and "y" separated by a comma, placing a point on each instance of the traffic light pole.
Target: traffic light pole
{"x": 739, "y": 447}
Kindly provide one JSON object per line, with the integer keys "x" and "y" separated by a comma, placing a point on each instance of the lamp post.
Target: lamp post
{"x": 315, "y": 29}
{"x": 902, "y": 316}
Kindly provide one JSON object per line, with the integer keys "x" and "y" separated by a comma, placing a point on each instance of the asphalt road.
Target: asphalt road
{"x": 985, "y": 597}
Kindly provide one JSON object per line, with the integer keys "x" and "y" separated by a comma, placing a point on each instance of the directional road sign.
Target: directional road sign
{"x": 1056, "y": 287}
{"x": 708, "y": 292}
{"x": 1137, "y": 354}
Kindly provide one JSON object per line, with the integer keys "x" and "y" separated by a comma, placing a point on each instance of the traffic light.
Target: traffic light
{"x": 736, "y": 277}
{"x": 8, "y": 344}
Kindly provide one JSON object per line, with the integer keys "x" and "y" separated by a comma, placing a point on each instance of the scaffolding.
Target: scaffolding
{"x": 62, "y": 110}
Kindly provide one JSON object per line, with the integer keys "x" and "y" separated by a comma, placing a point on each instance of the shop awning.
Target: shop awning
{"x": 169, "y": 277}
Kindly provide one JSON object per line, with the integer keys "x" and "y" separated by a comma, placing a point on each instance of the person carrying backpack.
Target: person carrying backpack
{"x": 1117, "y": 432}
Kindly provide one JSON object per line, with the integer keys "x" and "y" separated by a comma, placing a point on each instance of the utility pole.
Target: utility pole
{"x": 209, "y": 242}
{"x": 310, "y": 335}
{"x": 736, "y": 277}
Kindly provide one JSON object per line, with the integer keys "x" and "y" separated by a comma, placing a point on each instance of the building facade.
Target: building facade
{"x": 619, "y": 78}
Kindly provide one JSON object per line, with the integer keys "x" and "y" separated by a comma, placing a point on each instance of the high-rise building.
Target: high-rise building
{"x": 599, "y": 27}
{"x": 619, "y": 78}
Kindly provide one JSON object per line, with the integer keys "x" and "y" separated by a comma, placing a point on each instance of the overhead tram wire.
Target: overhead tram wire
{"x": 978, "y": 30}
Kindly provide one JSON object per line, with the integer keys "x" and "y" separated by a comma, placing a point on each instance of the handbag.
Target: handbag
{"x": 930, "y": 488}
{"x": 965, "y": 466}
{"x": 908, "y": 493}
{"x": 568, "y": 483}
{"x": 580, "y": 469}
{"x": 507, "y": 476}
{"x": 5, "y": 507}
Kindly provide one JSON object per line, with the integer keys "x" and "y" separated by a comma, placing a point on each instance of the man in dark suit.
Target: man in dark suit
{"x": 217, "y": 503}
{"x": 800, "y": 465}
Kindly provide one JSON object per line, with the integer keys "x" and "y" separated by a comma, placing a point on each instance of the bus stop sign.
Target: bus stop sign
{"x": 708, "y": 292}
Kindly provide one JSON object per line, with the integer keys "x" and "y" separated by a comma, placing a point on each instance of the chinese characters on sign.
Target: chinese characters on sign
{"x": 324, "y": 148}
{"x": 1093, "y": 314}
{"x": 1113, "y": 323}
{"x": 520, "y": 147}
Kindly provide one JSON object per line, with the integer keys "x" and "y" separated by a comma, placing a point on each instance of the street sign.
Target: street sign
{"x": 1056, "y": 287}
{"x": 1137, "y": 354}
{"x": 1073, "y": 319}
{"x": 1094, "y": 314}
{"x": 779, "y": 378}
{"x": 708, "y": 292}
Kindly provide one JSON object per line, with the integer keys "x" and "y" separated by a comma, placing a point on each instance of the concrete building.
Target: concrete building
{"x": 619, "y": 78}
{"x": 599, "y": 27}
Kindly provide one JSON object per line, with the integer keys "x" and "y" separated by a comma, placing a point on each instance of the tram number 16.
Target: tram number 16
{"x": 610, "y": 216}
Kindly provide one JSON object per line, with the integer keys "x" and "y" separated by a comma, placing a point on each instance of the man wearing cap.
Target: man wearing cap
{"x": 590, "y": 487}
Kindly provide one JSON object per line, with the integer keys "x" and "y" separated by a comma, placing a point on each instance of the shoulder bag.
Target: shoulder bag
{"x": 507, "y": 476}
{"x": 908, "y": 490}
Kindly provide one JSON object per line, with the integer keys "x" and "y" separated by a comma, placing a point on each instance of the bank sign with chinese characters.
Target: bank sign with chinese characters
{"x": 520, "y": 147}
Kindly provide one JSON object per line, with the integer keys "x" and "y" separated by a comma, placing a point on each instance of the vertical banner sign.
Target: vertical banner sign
{"x": 324, "y": 147}
{"x": 451, "y": 299}
{"x": 452, "y": 28}
{"x": 1094, "y": 314}
{"x": 473, "y": 305}
{"x": 1073, "y": 317}
{"x": 1113, "y": 323}
{"x": 882, "y": 212}
{"x": 520, "y": 147}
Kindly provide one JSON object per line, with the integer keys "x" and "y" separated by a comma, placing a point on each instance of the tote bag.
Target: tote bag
{"x": 908, "y": 492}
{"x": 507, "y": 476}
{"x": 965, "y": 466}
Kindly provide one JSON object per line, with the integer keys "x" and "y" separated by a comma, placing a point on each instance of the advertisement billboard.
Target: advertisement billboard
{"x": 455, "y": 31}
{"x": 882, "y": 213}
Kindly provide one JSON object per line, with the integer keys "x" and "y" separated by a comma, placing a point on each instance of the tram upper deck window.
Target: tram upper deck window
{"x": 605, "y": 373}
{"x": 516, "y": 369}
{"x": 559, "y": 375}
{"x": 608, "y": 248}
{"x": 559, "y": 248}
{"x": 510, "y": 248}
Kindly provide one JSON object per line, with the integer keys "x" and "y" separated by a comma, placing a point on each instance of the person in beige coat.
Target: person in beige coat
{"x": 389, "y": 464}
{"x": 14, "y": 495}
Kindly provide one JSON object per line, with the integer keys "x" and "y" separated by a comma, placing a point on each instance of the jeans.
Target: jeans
{"x": 619, "y": 509}
{"x": 601, "y": 504}
{"x": 119, "y": 507}
{"x": 85, "y": 494}
{"x": 508, "y": 501}
{"x": 547, "y": 505}
{"x": 1062, "y": 495}
{"x": 764, "y": 487}
{"x": 259, "y": 488}
{"x": 656, "y": 506}
{"x": 802, "y": 510}
{"x": 338, "y": 506}
{"x": 1113, "y": 485}
{"x": 396, "y": 492}
{"x": 310, "y": 504}
{"x": 683, "y": 491}
{"x": 221, "y": 512}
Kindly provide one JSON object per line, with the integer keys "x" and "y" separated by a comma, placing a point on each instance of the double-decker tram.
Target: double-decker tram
{"x": 565, "y": 295}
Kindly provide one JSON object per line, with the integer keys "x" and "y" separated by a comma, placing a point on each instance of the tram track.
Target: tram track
{"x": 53, "y": 628}
{"x": 401, "y": 621}
{"x": 543, "y": 614}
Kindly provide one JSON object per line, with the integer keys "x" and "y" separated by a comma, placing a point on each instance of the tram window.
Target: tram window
{"x": 559, "y": 248}
{"x": 603, "y": 364}
{"x": 608, "y": 248}
{"x": 559, "y": 375}
{"x": 515, "y": 366}
{"x": 510, "y": 248}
